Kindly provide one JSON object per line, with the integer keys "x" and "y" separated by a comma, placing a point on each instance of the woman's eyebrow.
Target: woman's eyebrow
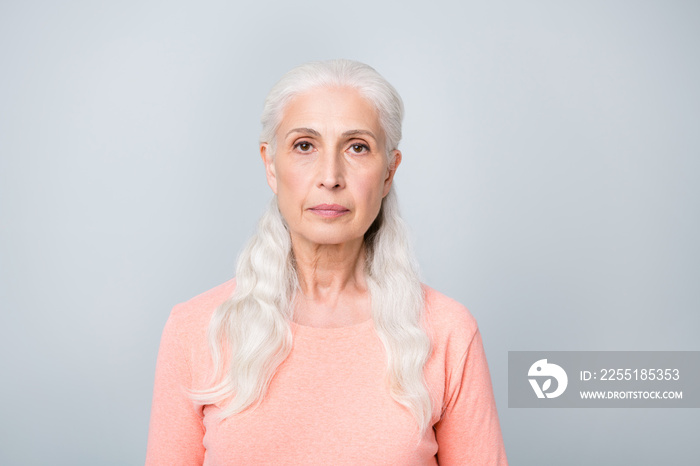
{"x": 310, "y": 131}
{"x": 313, "y": 132}
{"x": 354, "y": 132}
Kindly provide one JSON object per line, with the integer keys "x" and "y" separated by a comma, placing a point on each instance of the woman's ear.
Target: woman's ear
{"x": 391, "y": 170}
{"x": 269, "y": 161}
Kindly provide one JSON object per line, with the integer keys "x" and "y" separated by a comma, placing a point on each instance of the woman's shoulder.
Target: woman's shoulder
{"x": 194, "y": 314}
{"x": 449, "y": 321}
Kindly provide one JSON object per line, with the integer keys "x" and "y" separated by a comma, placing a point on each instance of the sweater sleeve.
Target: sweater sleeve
{"x": 469, "y": 431}
{"x": 176, "y": 431}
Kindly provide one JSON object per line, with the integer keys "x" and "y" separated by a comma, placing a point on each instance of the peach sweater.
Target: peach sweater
{"x": 328, "y": 403}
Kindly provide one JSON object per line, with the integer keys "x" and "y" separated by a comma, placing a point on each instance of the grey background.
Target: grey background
{"x": 550, "y": 177}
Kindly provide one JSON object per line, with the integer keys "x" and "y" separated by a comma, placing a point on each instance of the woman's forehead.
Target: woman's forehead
{"x": 322, "y": 107}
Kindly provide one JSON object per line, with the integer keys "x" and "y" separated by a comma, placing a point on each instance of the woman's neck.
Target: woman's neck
{"x": 328, "y": 270}
{"x": 333, "y": 290}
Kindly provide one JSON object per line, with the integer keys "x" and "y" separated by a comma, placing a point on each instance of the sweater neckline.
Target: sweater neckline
{"x": 305, "y": 331}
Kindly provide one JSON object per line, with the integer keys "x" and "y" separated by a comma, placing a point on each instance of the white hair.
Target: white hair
{"x": 250, "y": 334}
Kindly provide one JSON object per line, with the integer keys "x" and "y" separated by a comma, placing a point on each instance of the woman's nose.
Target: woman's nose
{"x": 331, "y": 171}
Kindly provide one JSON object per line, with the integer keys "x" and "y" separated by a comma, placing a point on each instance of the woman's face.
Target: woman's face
{"x": 330, "y": 172}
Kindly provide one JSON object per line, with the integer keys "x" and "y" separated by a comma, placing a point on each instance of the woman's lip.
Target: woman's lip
{"x": 329, "y": 210}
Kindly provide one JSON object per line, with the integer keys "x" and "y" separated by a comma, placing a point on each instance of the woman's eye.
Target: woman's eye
{"x": 303, "y": 146}
{"x": 359, "y": 148}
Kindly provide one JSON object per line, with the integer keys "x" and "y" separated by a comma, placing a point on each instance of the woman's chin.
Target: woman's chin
{"x": 338, "y": 238}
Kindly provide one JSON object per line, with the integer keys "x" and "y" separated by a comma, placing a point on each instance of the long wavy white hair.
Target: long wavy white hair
{"x": 250, "y": 334}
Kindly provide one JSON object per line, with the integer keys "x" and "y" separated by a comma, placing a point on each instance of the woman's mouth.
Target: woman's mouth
{"x": 329, "y": 210}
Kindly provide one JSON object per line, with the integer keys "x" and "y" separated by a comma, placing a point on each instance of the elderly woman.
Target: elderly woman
{"x": 326, "y": 348}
